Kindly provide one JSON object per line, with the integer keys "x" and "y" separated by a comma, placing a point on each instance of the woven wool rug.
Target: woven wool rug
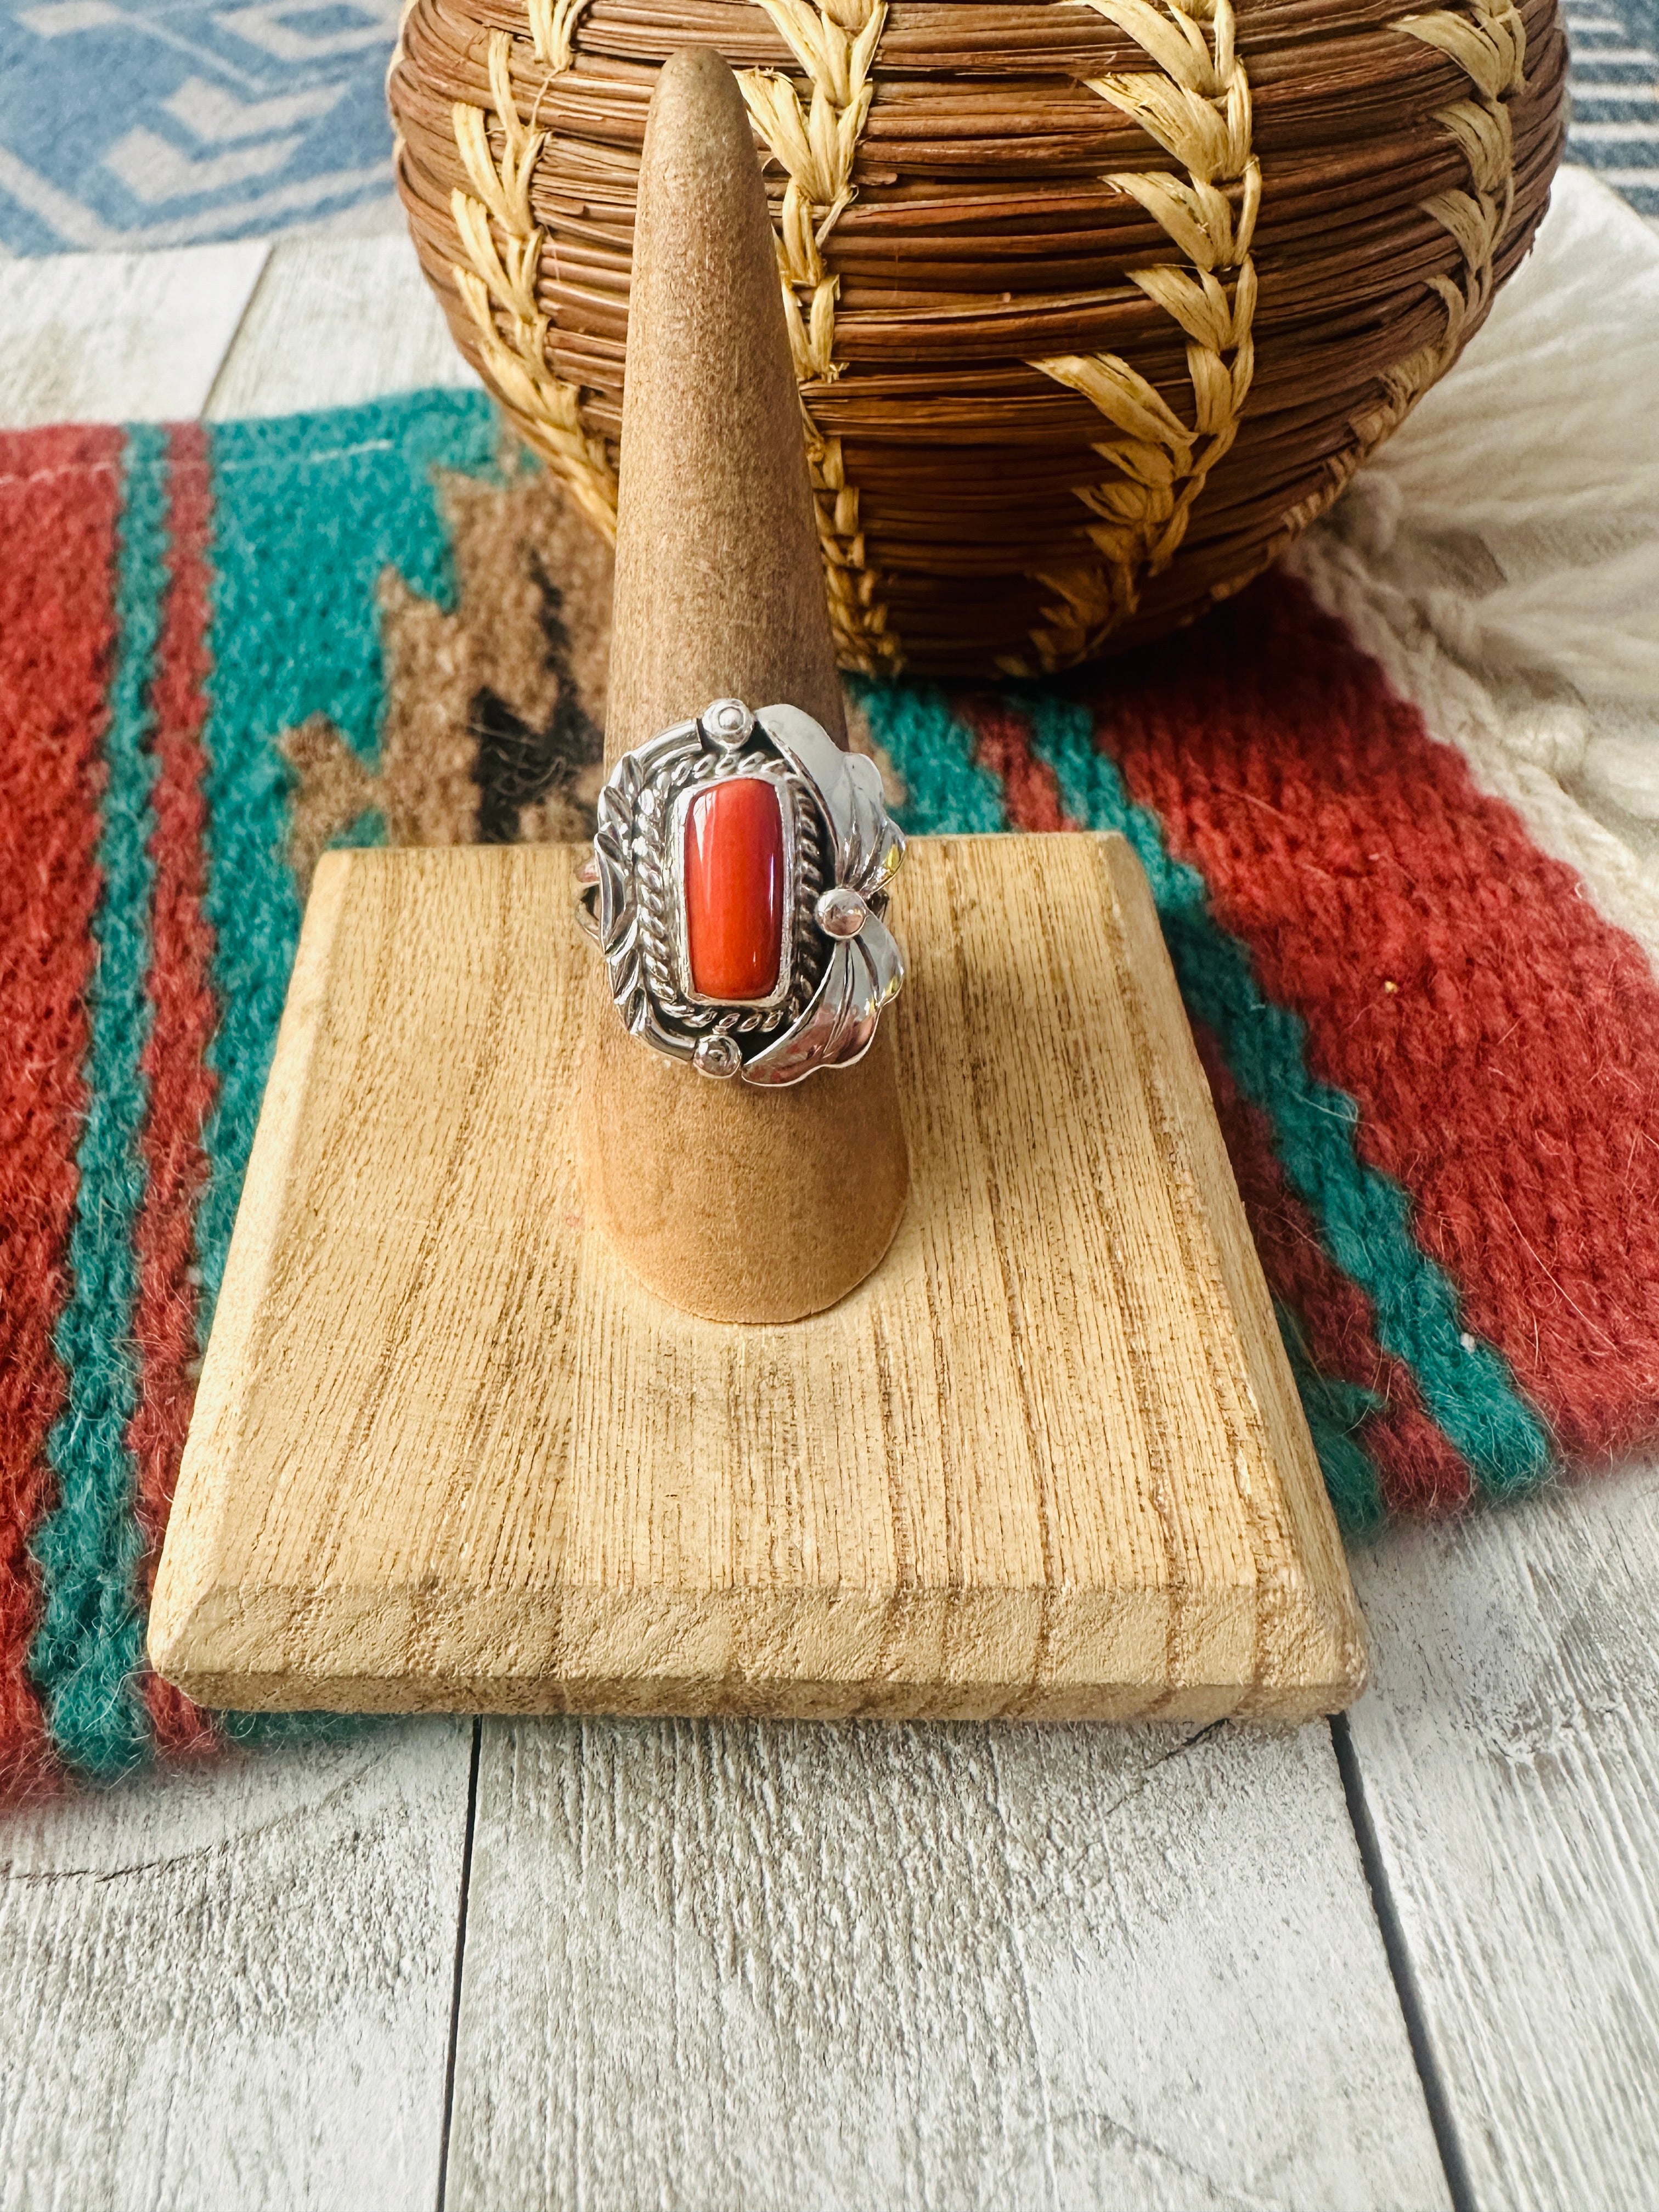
{"x": 1419, "y": 967}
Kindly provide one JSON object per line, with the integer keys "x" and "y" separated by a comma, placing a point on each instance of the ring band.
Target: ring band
{"x": 738, "y": 890}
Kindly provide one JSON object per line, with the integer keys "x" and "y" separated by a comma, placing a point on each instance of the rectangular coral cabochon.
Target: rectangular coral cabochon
{"x": 1047, "y": 1462}
{"x": 735, "y": 888}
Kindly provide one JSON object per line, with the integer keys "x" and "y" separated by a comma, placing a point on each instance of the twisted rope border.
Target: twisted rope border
{"x": 502, "y": 244}
{"x": 1196, "y": 105}
{"x": 834, "y": 42}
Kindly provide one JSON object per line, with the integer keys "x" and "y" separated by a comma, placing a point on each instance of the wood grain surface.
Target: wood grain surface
{"x": 119, "y": 338}
{"x": 232, "y": 1988}
{"x": 732, "y": 1965}
{"x": 1510, "y": 1765}
{"x": 333, "y": 322}
{"x": 1047, "y": 1461}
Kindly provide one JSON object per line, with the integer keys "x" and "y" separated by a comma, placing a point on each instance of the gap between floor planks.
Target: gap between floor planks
{"x": 1565, "y": 2113}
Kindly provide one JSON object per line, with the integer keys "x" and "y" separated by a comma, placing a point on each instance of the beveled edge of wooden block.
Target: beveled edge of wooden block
{"x": 501, "y": 1643}
{"x": 203, "y": 1632}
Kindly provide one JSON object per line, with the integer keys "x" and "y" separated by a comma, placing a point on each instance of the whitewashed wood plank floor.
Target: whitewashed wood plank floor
{"x": 232, "y": 1988}
{"x": 724, "y": 1965}
{"x": 1509, "y": 1757}
{"x": 1413, "y": 1962}
{"x": 120, "y": 338}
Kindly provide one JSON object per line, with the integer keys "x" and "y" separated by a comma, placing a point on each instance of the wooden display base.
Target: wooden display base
{"x": 1047, "y": 1462}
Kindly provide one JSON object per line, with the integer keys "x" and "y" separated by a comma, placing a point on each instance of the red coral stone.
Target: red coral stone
{"x": 734, "y": 888}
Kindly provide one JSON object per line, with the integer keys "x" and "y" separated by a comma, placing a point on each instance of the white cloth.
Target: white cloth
{"x": 1500, "y": 554}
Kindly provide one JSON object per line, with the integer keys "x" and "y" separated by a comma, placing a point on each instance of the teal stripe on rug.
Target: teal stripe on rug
{"x": 1364, "y": 1216}
{"x": 1336, "y": 1411}
{"x": 946, "y": 791}
{"x": 295, "y": 632}
{"x": 87, "y": 1651}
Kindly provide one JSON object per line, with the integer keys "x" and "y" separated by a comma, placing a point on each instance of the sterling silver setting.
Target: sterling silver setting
{"x": 838, "y": 964}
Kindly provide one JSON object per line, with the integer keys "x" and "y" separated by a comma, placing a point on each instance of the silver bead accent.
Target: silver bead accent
{"x": 717, "y": 1057}
{"x": 727, "y": 721}
{"x": 841, "y": 911}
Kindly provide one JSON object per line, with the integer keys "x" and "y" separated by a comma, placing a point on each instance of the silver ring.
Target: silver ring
{"x": 738, "y": 890}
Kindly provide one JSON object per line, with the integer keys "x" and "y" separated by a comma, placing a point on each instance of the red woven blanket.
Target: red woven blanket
{"x": 1434, "y": 1048}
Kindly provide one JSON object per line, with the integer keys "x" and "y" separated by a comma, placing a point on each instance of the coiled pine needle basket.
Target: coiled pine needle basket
{"x": 1094, "y": 304}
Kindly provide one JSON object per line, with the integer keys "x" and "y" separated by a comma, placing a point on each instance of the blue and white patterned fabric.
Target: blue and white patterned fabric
{"x": 1614, "y": 79}
{"x": 162, "y": 122}
{"x": 132, "y": 123}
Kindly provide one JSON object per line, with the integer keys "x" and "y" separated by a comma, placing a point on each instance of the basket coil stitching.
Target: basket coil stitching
{"x": 1196, "y": 104}
{"x": 1492, "y": 51}
{"x": 504, "y": 245}
{"x": 835, "y": 43}
{"x": 1205, "y": 121}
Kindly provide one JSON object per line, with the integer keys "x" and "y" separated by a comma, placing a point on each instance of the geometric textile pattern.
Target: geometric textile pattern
{"x": 240, "y": 120}
{"x": 128, "y": 122}
{"x": 1614, "y": 82}
{"x": 225, "y": 647}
